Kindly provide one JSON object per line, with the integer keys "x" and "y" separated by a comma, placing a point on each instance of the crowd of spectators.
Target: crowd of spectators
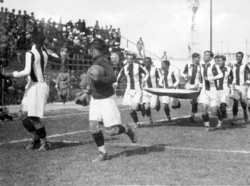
{"x": 74, "y": 37}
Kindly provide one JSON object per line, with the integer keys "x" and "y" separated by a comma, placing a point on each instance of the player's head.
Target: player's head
{"x": 196, "y": 58}
{"x": 165, "y": 65}
{"x": 148, "y": 62}
{"x": 97, "y": 47}
{"x": 239, "y": 57}
{"x": 130, "y": 58}
{"x": 216, "y": 59}
{"x": 208, "y": 56}
{"x": 222, "y": 60}
{"x": 38, "y": 38}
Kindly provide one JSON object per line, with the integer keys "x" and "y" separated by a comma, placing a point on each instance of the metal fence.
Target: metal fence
{"x": 12, "y": 90}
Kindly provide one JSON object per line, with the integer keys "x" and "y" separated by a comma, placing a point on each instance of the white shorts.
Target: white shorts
{"x": 165, "y": 99}
{"x": 131, "y": 97}
{"x": 248, "y": 92}
{"x": 35, "y": 100}
{"x": 210, "y": 98}
{"x": 192, "y": 87}
{"x": 105, "y": 110}
{"x": 243, "y": 91}
{"x": 224, "y": 95}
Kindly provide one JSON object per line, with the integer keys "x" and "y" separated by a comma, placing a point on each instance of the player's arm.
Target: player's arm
{"x": 177, "y": 80}
{"x": 217, "y": 74}
{"x": 184, "y": 72}
{"x": 109, "y": 77}
{"x": 27, "y": 69}
{"x": 120, "y": 75}
{"x": 52, "y": 58}
{"x": 142, "y": 70}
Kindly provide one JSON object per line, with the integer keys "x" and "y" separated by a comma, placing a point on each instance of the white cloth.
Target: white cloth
{"x": 105, "y": 110}
{"x": 224, "y": 95}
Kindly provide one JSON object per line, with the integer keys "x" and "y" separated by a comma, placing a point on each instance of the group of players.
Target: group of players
{"x": 215, "y": 81}
{"x": 211, "y": 79}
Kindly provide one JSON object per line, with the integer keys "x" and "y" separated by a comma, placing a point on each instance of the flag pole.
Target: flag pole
{"x": 211, "y": 27}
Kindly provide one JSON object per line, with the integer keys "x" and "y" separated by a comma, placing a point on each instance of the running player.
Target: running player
{"x": 191, "y": 74}
{"x": 149, "y": 100}
{"x": 133, "y": 94}
{"x": 169, "y": 80}
{"x": 103, "y": 106}
{"x": 224, "y": 90}
{"x": 210, "y": 72}
{"x": 240, "y": 74}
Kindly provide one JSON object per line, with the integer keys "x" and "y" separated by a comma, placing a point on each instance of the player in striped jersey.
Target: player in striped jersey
{"x": 149, "y": 100}
{"x": 168, "y": 80}
{"x": 191, "y": 74}
{"x": 224, "y": 90}
{"x": 240, "y": 74}
{"x": 210, "y": 72}
{"x": 133, "y": 94}
{"x": 37, "y": 90}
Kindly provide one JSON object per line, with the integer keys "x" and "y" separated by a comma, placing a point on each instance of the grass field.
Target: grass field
{"x": 167, "y": 153}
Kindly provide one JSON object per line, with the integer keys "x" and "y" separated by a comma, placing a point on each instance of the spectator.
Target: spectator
{"x": 84, "y": 79}
{"x": 62, "y": 84}
{"x": 164, "y": 57}
{"x": 140, "y": 47}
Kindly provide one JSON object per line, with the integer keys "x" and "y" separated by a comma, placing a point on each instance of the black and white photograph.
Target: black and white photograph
{"x": 124, "y": 92}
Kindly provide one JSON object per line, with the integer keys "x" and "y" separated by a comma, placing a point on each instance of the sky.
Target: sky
{"x": 164, "y": 25}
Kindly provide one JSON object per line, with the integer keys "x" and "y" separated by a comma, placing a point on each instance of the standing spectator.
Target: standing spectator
{"x": 64, "y": 53}
{"x": 84, "y": 79}
{"x": 140, "y": 47}
{"x": 62, "y": 84}
{"x": 96, "y": 25}
{"x": 164, "y": 57}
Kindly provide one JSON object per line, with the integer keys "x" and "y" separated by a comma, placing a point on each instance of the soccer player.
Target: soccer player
{"x": 210, "y": 72}
{"x": 240, "y": 73}
{"x": 149, "y": 100}
{"x": 191, "y": 74}
{"x": 103, "y": 107}
{"x": 133, "y": 94}
{"x": 168, "y": 80}
{"x": 224, "y": 89}
{"x": 37, "y": 90}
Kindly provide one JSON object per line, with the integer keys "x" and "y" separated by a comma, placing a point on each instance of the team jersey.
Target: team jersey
{"x": 169, "y": 79}
{"x": 212, "y": 71}
{"x": 240, "y": 73}
{"x": 153, "y": 77}
{"x": 227, "y": 75}
{"x": 194, "y": 71}
{"x": 134, "y": 73}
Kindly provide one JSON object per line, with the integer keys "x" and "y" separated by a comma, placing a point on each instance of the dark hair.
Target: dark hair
{"x": 241, "y": 53}
{"x": 217, "y": 57}
{"x": 222, "y": 57}
{"x": 194, "y": 55}
{"x": 210, "y": 53}
{"x": 131, "y": 54}
{"x": 148, "y": 58}
{"x": 166, "y": 62}
{"x": 98, "y": 44}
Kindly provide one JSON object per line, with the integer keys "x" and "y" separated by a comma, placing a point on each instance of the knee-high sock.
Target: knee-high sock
{"x": 148, "y": 112}
{"x": 167, "y": 110}
{"x": 133, "y": 114}
{"x": 205, "y": 118}
{"x": 243, "y": 105}
{"x": 223, "y": 107}
{"x": 235, "y": 108}
{"x": 194, "y": 108}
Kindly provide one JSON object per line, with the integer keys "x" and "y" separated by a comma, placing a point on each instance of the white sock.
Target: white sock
{"x": 102, "y": 149}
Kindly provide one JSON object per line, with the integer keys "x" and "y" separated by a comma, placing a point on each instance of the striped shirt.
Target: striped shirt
{"x": 240, "y": 73}
{"x": 153, "y": 77}
{"x": 169, "y": 79}
{"x": 194, "y": 71}
{"x": 227, "y": 75}
{"x": 210, "y": 70}
{"x": 134, "y": 73}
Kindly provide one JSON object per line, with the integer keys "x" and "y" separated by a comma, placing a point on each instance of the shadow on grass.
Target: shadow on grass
{"x": 139, "y": 150}
{"x": 67, "y": 144}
